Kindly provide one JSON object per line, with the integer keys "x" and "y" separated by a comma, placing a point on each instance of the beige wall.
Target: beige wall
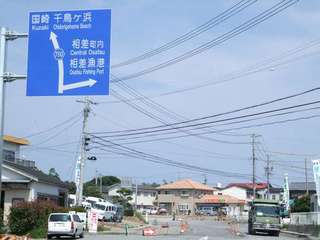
{"x": 174, "y": 198}
{"x": 10, "y": 195}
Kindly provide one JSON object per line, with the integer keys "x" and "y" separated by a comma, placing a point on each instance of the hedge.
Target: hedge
{"x": 32, "y": 217}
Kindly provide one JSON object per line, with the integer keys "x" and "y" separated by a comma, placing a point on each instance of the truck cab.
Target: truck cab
{"x": 264, "y": 216}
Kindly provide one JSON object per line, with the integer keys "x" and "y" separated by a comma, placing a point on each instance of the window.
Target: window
{"x": 145, "y": 194}
{"x": 76, "y": 218}
{"x": 60, "y": 218}
{"x": 273, "y": 197}
{"x": 9, "y": 155}
{"x": 16, "y": 201}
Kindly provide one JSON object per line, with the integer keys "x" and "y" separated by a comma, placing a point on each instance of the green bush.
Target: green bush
{"x": 32, "y": 217}
{"x": 128, "y": 212}
{"x": 301, "y": 204}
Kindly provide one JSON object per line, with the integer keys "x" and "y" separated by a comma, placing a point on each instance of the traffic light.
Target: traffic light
{"x": 92, "y": 158}
{"x": 86, "y": 143}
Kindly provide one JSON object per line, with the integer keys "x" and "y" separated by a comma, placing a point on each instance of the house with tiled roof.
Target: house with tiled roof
{"x": 215, "y": 203}
{"x": 244, "y": 191}
{"x": 180, "y": 197}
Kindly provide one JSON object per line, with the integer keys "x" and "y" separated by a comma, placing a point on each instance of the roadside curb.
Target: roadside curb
{"x": 299, "y": 235}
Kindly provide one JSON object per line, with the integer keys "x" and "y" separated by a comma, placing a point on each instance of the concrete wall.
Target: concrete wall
{"x": 305, "y": 218}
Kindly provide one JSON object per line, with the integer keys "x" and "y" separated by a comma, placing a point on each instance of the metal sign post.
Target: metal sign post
{"x": 5, "y": 35}
{"x": 3, "y": 49}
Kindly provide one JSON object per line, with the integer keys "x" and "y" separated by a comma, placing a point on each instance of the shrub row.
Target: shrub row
{"x": 32, "y": 217}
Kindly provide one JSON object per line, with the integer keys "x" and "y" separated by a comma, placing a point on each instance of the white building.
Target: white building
{"x": 21, "y": 184}
{"x": 22, "y": 181}
{"x": 244, "y": 191}
{"x": 145, "y": 197}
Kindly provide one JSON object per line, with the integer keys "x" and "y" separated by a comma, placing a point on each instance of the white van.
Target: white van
{"x": 93, "y": 200}
{"x": 64, "y": 224}
{"x": 105, "y": 210}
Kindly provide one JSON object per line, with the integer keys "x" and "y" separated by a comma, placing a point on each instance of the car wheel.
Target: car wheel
{"x": 81, "y": 235}
{"x": 49, "y": 236}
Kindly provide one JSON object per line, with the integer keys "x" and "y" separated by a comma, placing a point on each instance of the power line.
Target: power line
{"x": 170, "y": 114}
{"x": 167, "y": 130}
{"x": 59, "y": 132}
{"x": 120, "y": 149}
{"x": 235, "y": 128}
{"x": 53, "y": 127}
{"x": 219, "y": 114}
{"x": 252, "y": 69}
{"x": 220, "y": 18}
{"x": 277, "y": 8}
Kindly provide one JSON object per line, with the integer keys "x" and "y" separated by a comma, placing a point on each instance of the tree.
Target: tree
{"x": 92, "y": 191}
{"x": 125, "y": 195}
{"x": 71, "y": 187}
{"x": 53, "y": 173}
{"x": 106, "y": 181}
{"x": 301, "y": 204}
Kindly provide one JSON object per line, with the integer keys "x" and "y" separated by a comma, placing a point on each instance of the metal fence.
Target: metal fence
{"x": 305, "y": 218}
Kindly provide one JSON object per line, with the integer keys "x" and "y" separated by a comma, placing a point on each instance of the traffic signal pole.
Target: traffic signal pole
{"x": 84, "y": 148}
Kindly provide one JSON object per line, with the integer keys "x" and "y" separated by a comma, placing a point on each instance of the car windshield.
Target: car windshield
{"x": 60, "y": 218}
{"x": 91, "y": 202}
{"x": 99, "y": 206}
{"x": 267, "y": 210}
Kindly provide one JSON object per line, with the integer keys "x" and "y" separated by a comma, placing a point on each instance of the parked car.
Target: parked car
{"x": 65, "y": 224}
{"x": 119, "y": 214}
{"x": 154, "y": 211}
{"x": 162, "y": 211}
{"x": 105, "y": 211}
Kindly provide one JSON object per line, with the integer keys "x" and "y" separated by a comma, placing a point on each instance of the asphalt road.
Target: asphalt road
{"x": 198, "y": 230}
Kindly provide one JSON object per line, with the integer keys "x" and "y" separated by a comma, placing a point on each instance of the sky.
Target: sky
{"x": 142, "y": 25}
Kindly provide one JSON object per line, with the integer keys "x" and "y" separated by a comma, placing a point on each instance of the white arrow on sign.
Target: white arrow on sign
{"x": 87, "y": 83}
{"x": 61, "y": 87}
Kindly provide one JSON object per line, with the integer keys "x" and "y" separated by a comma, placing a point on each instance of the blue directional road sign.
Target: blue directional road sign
{"x": 69, "y": 53}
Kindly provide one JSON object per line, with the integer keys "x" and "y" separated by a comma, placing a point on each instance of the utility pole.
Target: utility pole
{"x": 5, "y": 36}
{"x": 253, "y": 136}
{"x": 306, "y": 175}
{"x": 100, "y": 183}
{"x": 268, "y": 171}
{"x": 96, "y": 177}
{"x": 136, "y": 197}
{"x": 205, "y": 180}
{"x": 84, "y": 147}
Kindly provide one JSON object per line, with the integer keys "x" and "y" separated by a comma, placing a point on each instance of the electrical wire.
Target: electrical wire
{"x": 120, "y": 149}
{"x": 216, "y": 115}
{"x": 265, "y": 15}
{"x": 54, "y": 127}
{"x": 220, "y": 18}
